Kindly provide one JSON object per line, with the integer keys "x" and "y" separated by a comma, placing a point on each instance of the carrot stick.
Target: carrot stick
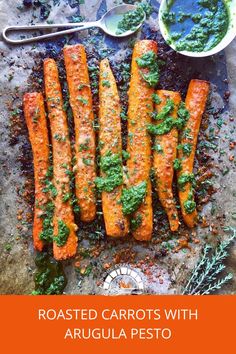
{"x": 65, "y": 239}
{"x": 38, "y": 134}
{"x": 165, "y": 151}
{"x": 139, "y": 143}
{"x": 81, "y": 104}
{"x": 110, "y": 143}
{"x": 196, "y": 99}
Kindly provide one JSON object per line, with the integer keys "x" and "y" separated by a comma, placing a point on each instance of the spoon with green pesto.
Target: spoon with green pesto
{"x": 120, "y": 21}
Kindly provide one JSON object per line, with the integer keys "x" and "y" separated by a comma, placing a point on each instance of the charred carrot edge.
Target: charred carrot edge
{"x": 196, "y": 99}
{"x": 81, "y": 104}
{"x": 110, "y": 136}
{"x": 61, "y": 160}
{"x": 38, "y": 134}
{"x": 163, "y": 162}
{"x": 139, "y": 143}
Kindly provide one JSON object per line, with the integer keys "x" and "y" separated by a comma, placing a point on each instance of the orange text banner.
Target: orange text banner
{"x": 123, "y": 324}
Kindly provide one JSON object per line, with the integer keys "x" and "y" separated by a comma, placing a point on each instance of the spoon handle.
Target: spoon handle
{"x": 13, "y": 29}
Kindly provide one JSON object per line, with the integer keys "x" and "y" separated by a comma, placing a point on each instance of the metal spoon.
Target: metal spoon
{"x": 108, "y": 23}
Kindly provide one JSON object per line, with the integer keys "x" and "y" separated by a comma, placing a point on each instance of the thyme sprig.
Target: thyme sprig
{"x": 204, "y": 277}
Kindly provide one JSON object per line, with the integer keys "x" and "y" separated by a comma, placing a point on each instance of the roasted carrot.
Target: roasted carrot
{"x": 38, "y": 134}
{"x": 65, "y": 239}
{"x": 81, "y": 104}
{"x": 196, "y": 99}
{"x": 139, "y": 143}
{"x": 111, "y": 145}
{"x": 165, "y": 152}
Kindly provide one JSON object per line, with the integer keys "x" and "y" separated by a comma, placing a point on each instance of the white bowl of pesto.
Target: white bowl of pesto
{"x": 198, "y": 28}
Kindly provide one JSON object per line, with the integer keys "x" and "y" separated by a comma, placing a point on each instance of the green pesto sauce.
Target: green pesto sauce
{"x": 47, "y": 216}
{"x": 48, "y": 209}
{"x": 158, "y": 149}
{"x": 149, "y": 61}
{"x": 74, "y": 203}
{"x": 196, "y": 25}
{"x": 190, "y": 204}
{"x": 49, "y": 278}
{"x": 66, "y": 197}
{"x": 177, "y": 165}
{"x": 167, "y": 109}
{"x": 156, "y": 99}
{"x": 184, "y": 179}
{"x": 163, "y": 128}
{"x": 186, "y": 148}
{"x": 49, "y": 187}
{"x": 106, "y": 83}
{"x": 132, "y": 19}
{"x": 182, "y": 116}
{"x": 131, "y": 198}
{"x": 168, "y": 123}
{"x": 135, "y": 222}
{"x": 111, "y": 166}
{"x": 63, "y": 234}
{"x": 125, "y": 155}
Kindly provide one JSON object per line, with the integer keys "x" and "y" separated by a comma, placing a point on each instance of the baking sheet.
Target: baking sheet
{"x": 164, "y": 269}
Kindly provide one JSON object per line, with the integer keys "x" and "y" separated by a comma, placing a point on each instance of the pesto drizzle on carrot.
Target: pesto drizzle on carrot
{"x": 167, "y": 122}
{"x": 63, "y": 233}
{"x": 131, "y": 198}
{"x": 111, "y": 166}
{"x": 185, "y": 178}
{"x": 149, "y": 61}
{"x": 48, "y": 209}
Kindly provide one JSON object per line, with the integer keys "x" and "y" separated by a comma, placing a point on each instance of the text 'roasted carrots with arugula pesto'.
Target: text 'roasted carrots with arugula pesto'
{"x": 110, "y": 182}
{"x": 195, "y": 102}
{"x": 65, "y": 239}
{"x": 144, "y": 76}
{"x": 81, "y": 104}
{"x": 35, "y": 117}
{"x": 165, "y": 151}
